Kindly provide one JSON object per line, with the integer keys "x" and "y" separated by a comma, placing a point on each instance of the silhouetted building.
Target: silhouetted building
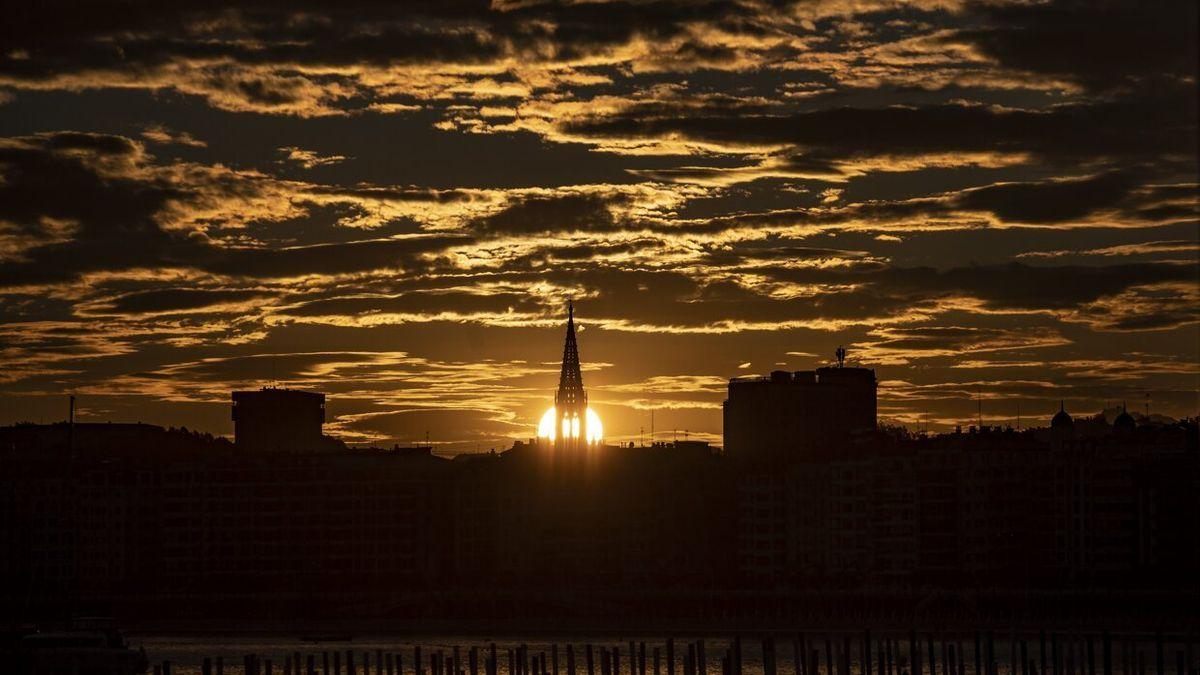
{"x": 278, "y": 420}
{"x": 163, "y": 521}
{"x": 800, "y": 415}
{"x": 570, "y": 401}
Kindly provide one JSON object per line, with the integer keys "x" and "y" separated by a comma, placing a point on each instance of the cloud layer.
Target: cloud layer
{"x": 394, "y": 205}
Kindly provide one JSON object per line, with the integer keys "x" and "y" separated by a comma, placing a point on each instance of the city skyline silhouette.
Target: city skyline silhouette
{"x": 600, "y": 337}
{"x": 570, "y": 401}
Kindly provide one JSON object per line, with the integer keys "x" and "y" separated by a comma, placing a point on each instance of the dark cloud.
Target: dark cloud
{"x": 1146, "y": 127}
{"x": 1056, "y": 201}
{"x": 429, "y": 303}
{"x": 1100, "y": 45}
{"x": 114, "y": 219}
{"x": 339, "y": 258}
{"x": 163, "y": 300}
{"x": 1013, "y": 286}
{"x": 535, "y": 214}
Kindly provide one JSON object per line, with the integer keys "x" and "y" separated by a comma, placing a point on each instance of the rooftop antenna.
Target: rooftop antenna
{"x": 71, "y": 424}
{"x": 840, "y": 355}
{"x": 1147, "y": 405}
{"x": 652, "y": 426}
{"x": 979, "y": 405}
{"x": 1018, "y": 415}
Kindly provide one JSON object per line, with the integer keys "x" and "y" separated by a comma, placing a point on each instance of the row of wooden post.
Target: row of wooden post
{"x": 1048, "y": 655}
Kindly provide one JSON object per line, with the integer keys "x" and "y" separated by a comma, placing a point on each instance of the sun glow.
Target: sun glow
{"x": 570, "y": 427}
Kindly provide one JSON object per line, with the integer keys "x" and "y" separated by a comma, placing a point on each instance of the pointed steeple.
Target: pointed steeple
{"x": 570, "y": 380}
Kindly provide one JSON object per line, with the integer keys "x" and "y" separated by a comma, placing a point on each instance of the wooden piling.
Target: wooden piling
{"x": 1042, "y": 652}
{"x": 914, "y": 654}
{"x": 220, "y": 665}
{"x": 670, "y": 656}
{"x": 591, "y": 670}
{"x": 829, "y": 656}
{"x": 657, "y": 661}
{"x": 570, "y": 659}
{"x": 1160, "y": 666}
{"x": 866, "y": 652}
{"x": 701, "y": 658}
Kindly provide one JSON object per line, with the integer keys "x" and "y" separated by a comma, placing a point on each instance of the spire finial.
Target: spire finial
{"x": 570, "y": 383}
{"x": 1060, "y": 406}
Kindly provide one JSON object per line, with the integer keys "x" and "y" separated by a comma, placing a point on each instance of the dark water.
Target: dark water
{"x": 187, "y": 653}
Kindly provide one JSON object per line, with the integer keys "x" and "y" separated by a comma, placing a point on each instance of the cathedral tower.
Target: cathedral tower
{"x": 570, "y": 402}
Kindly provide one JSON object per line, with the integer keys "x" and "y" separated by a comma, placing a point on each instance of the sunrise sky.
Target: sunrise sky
{"x": 392, "y": 202}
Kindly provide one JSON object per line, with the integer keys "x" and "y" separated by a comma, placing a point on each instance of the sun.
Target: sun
{"x": 595, "y": 430}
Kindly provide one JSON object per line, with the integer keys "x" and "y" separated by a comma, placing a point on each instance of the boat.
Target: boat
{"x": 89, "y": 646}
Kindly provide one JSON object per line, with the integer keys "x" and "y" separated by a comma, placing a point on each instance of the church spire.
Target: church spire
{"x": 570, "y": 380}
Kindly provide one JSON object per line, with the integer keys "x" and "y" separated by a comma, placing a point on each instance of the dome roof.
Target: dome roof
{"x": 1124, "y": 420}
{"x": 1061, "y": 419}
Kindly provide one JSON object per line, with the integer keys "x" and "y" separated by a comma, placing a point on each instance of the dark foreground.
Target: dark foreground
{"x": 861, "y": 652}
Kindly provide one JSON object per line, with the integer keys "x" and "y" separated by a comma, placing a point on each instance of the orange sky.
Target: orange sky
{"x": 393, "y": 206}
